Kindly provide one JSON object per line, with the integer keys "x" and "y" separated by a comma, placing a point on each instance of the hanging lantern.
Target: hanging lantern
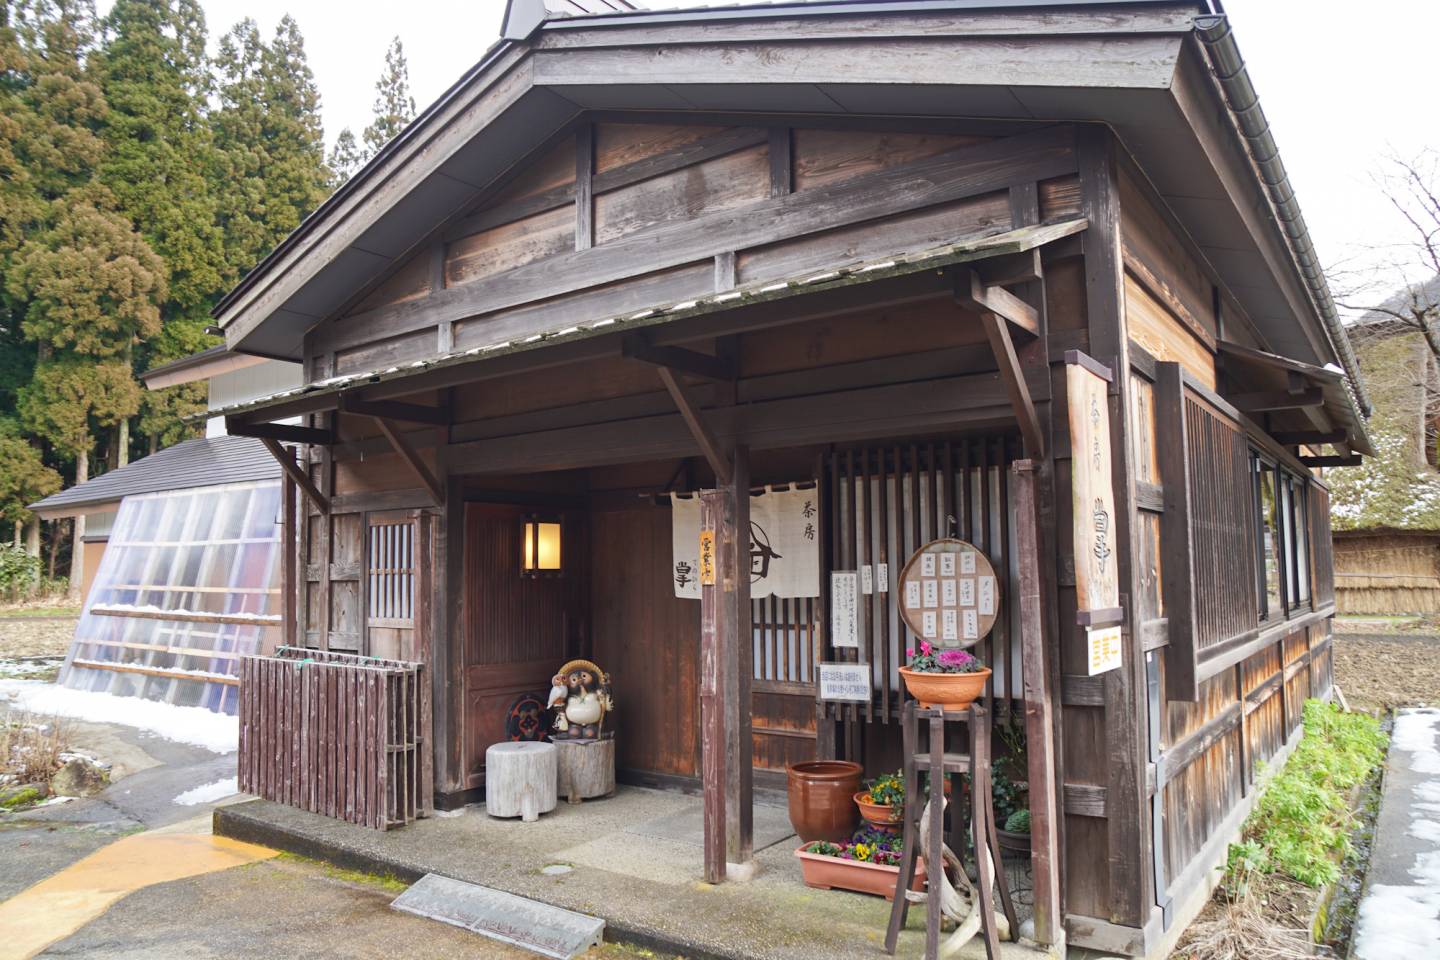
{"x": 540, "y": 547}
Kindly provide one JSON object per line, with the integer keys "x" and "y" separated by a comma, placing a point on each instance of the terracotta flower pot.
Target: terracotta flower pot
{"x": 951, "y": 691}
{"x": 833, "y": 873}
{"x": 820, "y": 793}
{"x": 881, "y": 816}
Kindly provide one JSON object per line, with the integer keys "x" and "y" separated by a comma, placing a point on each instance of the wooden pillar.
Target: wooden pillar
{"x": 1132, "y": 880}
{"x": 1039, "y": 709}
{"x": 289, "y": 583}
{"x": 725, "y": 672}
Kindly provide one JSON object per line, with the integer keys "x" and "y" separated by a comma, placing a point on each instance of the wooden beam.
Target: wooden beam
{"x": 1039, "y": 709}
{"x": 782, "y": 174}
{"x": 585, "y": 187}
{"x": 1267, "y": 400}
{"x": 637, "y": 346}
{"x": 1011, "y": 268}
{"x": 1354, "y": 460}
{"x": 702, "y": 435}
{"x": 1182, "y": 681}
{"x": 412, "y": 460}
{"x": 1015, "y": 386}
{"x": 293, "y": 471}
{"x": 998, "y": 300}
{"x": 1297, "y": 438}
{"x": 394, "y": 410}
{"x": 284, "y": 432}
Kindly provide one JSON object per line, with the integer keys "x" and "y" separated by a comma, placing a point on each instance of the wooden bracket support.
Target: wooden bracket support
{"x": 283, "y": 432}
{"x": 395, "y": 410}
{"x": 1297, "y": 438}
{"x": 712, "y": 450}
{"x": 1354, "y": 460}
{"x": 412, "y": 460}
{"x": 992, "y": 298}
{"x": 293, "y": 471}
{"x": 637, "y": 347}
{"x": 1263, "y": 402}
{"x": 998, "y": 333}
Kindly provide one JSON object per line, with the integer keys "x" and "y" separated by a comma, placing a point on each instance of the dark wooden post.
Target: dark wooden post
{"x": 725, "y": 672}
{"x": 1040, "y": 747}
{"x": 289, "y": 585}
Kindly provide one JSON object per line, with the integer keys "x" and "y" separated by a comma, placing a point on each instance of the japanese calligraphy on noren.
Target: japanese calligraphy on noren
{"x": 1097, "y": 585}
{"x": 784, "y": 544}
{"x": 951, "y": 594}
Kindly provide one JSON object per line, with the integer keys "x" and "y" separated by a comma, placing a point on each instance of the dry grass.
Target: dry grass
{"x": 1242, "y": 930}
{"x": 30, "y": 747}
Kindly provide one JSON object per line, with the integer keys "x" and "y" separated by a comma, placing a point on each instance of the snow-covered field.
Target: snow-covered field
{"x": 192, "y": 725}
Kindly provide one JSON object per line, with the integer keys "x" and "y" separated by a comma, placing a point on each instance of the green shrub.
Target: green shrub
{"x": 1301, "y": 826}
{"x": 19, "y": 572}
{"x": 1018, "y": 822}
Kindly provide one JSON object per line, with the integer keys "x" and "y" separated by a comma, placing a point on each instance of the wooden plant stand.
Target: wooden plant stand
{"x": 976, "y": 762}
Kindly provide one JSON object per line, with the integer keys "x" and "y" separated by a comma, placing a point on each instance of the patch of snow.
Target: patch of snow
{"x": 208, "y": 793}
{"x": 1403, "y": 920}
{"x": 193, "y": 725}
{"x": 21, "y": 667}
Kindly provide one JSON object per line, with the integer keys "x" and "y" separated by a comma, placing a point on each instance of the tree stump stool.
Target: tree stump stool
{"x": 587, "y": 768}
{"x": 520, "y": 780}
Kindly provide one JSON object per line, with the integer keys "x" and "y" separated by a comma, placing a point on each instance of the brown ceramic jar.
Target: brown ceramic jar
{"x": 821, "y": 799}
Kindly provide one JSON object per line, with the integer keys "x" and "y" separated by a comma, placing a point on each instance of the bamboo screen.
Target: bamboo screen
{"x": 187, "y": 586}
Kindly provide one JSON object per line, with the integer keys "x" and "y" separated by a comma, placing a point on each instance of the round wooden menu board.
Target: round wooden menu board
{"x": 949, "y": 594}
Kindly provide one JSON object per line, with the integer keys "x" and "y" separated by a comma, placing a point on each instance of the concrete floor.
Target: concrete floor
{"x": 647, "y": 888}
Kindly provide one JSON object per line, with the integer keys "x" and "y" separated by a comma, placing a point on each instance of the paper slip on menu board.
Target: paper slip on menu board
{"x": 949, "y": 593}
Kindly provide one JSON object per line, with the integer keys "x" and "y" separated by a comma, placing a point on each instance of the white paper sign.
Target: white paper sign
{"x": 967, "y": 563}
{"x": 972, "y": 625}
{"x": 948, "y": 630}
{"x": 867, "y": 580}
{"x": 932, "y": 593}
{"x": 844, "y": 602}
{"x": 947, "y": 592}
{"x": 1103, "y": 648}
{"x": 947, "y": 564}
{"x": 929, "y": 625}
{"x": 882, "y": 574}
{"x": 912, "y": 595}
{"x": 784, "y": 545}
{"x": 849, "y": 682}
{"x": 967, "y": 592}
{"x": 987, "y": 596}
{"x": 927, "y": 565}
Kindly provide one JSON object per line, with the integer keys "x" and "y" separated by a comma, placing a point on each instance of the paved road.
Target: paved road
{"x": 1399, "y": 913}
{"x": 99, "y": 875}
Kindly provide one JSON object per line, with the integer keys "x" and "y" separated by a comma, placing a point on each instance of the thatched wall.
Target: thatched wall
{"x": 1386, "y": 574}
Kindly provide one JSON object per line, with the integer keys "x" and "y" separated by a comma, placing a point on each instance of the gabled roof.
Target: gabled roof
{"x": 204, "y": 462}
{"x": 1137, "y": 65}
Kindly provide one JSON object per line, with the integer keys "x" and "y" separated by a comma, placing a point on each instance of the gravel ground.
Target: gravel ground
{"x": 23, "y": 637}
{"x": 1380, "y": 671}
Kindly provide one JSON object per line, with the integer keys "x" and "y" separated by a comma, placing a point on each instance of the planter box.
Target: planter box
{"x": 833, "y": 873}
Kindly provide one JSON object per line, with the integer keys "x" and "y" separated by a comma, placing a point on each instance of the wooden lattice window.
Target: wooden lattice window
{"x": 390, "y": 573}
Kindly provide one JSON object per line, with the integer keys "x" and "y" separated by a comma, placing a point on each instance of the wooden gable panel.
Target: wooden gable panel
{"x": 553, "y": 169}
{"x": 829, "y": 156}
{"x": 723, "y": 183}
{"x": 501, "y": 248}
{"x": 1152, "y": 246}
{"x": 410, "y": 282}
{"x": 617, "y": 144}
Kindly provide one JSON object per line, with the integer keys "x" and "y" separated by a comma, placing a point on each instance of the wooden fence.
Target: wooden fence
{"x": 337, "y": 734}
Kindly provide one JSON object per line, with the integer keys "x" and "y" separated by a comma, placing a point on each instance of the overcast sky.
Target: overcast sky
{"x": 1342, "y": 83}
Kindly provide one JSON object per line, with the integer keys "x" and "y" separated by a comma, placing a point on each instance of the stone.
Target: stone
{"x": 79, "y": 778}
{"x": 550, "y": 931}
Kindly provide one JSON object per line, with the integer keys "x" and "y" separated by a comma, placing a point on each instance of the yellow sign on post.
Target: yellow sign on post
{"x": 707, "y": 558}
{"x": 1102, "y": 648}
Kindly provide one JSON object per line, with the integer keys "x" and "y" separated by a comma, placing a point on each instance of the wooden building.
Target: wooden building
{"x": 862, "y": 248}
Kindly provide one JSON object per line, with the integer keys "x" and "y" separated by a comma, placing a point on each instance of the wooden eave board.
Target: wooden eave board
{"x": 814, "y": 281}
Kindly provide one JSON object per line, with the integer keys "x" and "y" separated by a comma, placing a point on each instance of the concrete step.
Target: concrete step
{"x": 549, "y": 931}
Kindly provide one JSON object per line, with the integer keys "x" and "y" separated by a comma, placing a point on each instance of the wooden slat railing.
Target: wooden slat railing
{"x": 337, "y": 734}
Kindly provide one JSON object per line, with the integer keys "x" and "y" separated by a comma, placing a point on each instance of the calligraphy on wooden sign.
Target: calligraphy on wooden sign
{"x": 1097, "y": 581}
{"x": 949, "y": 593}
{"x": 707, "y": 558}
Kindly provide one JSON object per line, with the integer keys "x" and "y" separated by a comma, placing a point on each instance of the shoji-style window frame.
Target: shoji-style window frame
{"x": 390, "y": 574}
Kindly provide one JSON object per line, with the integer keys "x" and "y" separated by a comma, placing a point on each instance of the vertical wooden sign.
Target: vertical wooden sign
{"x": 1097, "y": 580}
